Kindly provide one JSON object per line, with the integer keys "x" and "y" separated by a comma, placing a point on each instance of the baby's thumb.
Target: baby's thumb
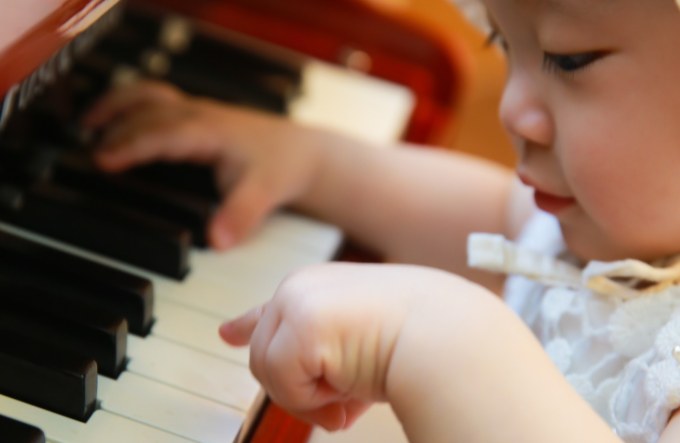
{"x": 240, "y": 213}
{"x": 238, "y": 331}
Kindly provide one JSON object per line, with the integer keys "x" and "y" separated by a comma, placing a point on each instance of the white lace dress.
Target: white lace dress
{"x": 618, "y": 346}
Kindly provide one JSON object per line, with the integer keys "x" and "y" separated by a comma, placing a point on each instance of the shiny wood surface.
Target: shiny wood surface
{"x": 31, "y": 31}
{"x": 277, "y": 426}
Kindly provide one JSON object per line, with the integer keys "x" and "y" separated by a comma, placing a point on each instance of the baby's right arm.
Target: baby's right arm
{"x": 409, "y": 204}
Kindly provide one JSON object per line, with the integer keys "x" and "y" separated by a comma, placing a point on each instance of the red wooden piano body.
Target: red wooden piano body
{"x": 388, "y": 41}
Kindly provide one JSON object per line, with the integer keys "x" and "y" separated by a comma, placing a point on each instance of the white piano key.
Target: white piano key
{"x": 352, "y": 102}
{"x": 255, "y": 256}
{"x": 192, "y": 371}
{"x": 102, "y": 427}
{"x": 223, "y": 300}
{"x": 284, "y": 225}
{"x": 173, "y": 410}
{"x": 215, "y": 299}
{"x": 301, "y": 231}
{"x": 195, "y": 330}
{"x": 227, "y": 284}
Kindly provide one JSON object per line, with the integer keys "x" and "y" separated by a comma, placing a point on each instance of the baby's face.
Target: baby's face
{"x": 592, "y": 101}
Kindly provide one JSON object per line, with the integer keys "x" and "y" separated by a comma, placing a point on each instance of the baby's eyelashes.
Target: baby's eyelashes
{"x": 496, "y": 38}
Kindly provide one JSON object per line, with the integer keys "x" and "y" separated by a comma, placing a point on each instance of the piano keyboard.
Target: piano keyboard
{"x": 179, "y": 382}
{"x": 181, "y": 378}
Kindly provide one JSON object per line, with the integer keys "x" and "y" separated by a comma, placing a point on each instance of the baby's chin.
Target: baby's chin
{"x": 601, "y": 248}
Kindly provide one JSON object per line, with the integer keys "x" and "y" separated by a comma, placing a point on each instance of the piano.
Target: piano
{"x": 111, "y": 301}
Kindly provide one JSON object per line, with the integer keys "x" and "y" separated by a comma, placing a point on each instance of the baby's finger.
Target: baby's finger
{"x": 152, "y": 137}
{"x": 237, "y": 332}
{"x": 125, "y": 149}
{"x": 120, "y": 100}
{"x": 334, "y": 416}
{"x": 242, "y": 211}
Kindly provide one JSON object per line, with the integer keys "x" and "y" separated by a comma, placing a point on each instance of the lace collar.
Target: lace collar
{"x": 624, "y": 279}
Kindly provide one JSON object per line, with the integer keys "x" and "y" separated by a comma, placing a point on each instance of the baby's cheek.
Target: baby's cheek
{"x": 605, "y": 192}
{"x": 624, "y": 217}
{"x": 593, "y": 179}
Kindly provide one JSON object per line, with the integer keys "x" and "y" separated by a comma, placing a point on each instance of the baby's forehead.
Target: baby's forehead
{"x": 487, "y": 13}
{"x": 566, "y": 6}
{"x": 577, "y": 9}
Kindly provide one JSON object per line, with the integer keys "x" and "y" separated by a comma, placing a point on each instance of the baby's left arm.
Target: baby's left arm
{"x": 452, "y": 360}
{"x": 321, "y": 348}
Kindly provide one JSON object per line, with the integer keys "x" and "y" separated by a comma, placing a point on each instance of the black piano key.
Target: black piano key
{"x": 14, "y": 431}
{"x": 89, "y": 79}
{"x": 31, "y": 312}
{"x": 24, "y": 167}
{"x": 204, "y": 48}
{"x": 242, "y": 58}
{"x": 181, "y": 208}
{"x": 213, "y": 67}
{"x": 48, "y": 378}
{"x": 126, "y": 42}
{"x": 83, "y": 281}
{"x": 210, "y": 65}
{"x": 198, "y": 181}
{"x": 203, "y": 82}
{"x": 110, "y": 230}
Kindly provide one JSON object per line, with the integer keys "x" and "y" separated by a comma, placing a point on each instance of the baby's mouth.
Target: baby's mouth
{"x": 552, "y": 204}
{"x": 546, "y": 201}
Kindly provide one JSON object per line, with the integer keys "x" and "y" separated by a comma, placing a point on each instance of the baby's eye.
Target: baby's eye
{"x": 495, "y": 38}
{"x": 569, "y": 62}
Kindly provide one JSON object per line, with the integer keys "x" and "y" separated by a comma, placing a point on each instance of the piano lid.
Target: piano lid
{"x": 32, "y": 32}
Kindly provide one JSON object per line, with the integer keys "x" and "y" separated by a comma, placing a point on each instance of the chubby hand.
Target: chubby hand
{"x": 262, "y": 160}
{"x": 322, "y": 347}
